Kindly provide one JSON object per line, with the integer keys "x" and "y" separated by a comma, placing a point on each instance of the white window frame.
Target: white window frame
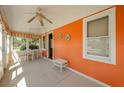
{"x": 112, "y": 35}
{"x": 42, "y": 42}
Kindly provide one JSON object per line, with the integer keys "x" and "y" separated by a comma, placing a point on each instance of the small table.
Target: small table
{"x": 61, "y": 63}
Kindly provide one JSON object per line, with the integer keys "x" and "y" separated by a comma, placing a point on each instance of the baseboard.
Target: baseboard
{"x": 88, "y": 77}
{"x": 48, "y": 59}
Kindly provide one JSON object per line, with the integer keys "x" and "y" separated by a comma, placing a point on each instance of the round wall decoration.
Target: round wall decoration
{"x": 68, "y": 37}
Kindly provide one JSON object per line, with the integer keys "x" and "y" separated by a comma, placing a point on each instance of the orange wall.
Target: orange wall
{"x": 72, "y": 51}
{"x": 44, "y": 53}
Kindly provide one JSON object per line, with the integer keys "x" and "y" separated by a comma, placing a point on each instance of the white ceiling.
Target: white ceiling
{"x": 17, "y": 16}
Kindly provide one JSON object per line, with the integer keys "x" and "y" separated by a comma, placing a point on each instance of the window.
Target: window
{"x": 99, "y": 37}
{"x": 34, "y": 43}
{"x": 19, "y": 43}
{"x": 44, "y": 42}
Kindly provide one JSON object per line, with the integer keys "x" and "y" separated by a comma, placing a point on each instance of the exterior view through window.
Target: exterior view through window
{"x": 19, "y": 43}
{"x": 34, "y": 43}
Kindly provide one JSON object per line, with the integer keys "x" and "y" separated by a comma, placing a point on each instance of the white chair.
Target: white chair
{"x": 22, "y": 55}
{"x": 39, "y": 53}
{"x": 29, "y": 55}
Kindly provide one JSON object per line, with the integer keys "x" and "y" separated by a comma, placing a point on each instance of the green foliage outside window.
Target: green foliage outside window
{"x": 19, "y": 43}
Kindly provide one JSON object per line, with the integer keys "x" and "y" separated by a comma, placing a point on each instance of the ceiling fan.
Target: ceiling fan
{"x": 39, "y": 16}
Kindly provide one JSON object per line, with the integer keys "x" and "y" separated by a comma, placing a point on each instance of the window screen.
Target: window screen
{"x": 98, "y": 46}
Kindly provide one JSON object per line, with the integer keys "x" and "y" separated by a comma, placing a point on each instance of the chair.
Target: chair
{"x": 39, "y": 53}
{"x": 29, "y": 55}
{"x": 21, "y": 56}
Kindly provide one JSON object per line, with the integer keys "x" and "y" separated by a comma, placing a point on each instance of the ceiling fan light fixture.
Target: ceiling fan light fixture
{"x": 39, "y": 9}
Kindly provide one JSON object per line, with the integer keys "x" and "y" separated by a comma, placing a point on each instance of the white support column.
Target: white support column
{"x": 11, "y": 43}
{"x": 40, "y": 44}
{"x": 11, "y": 47}
{"x": 27, "y": 44}
{"x": 3, "y": 49}
{"x": 1, "y": 53}
{"x": 40, "y": 47}
{"x": 27, "y": 48}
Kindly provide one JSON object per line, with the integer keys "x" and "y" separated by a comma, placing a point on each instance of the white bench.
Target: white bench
{"x": 61, "y": 63}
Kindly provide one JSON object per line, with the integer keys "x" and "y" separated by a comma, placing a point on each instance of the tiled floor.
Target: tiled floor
{"x": 42, "y": 73}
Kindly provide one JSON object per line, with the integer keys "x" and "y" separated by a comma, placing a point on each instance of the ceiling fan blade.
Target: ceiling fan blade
{"x": 29, "y": 13}
{"x": 45, "y": 18}
{"x": 41, "y": 22}
{"x": 32, "y": 19}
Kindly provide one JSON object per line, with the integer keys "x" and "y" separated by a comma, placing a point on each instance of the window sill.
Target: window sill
{"x": 99, "y": 59}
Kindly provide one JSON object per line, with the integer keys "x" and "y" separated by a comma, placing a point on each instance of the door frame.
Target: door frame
{"x": 51, "y": 32}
